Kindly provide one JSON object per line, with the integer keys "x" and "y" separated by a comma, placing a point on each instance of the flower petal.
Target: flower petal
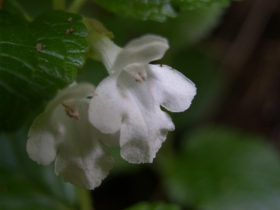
{"x": 141, "y": 51}
{"x": 81, "y": 160}
{"x": 42, "y": 143}
{"x": 140, "y": 140}
{"x": 44, "y": 136}
{"x": 107, "y": 106}
{"x": 75, "y": 91}
{"x": 171, "y": 89}
{"x": 110, "y": 140}
{"x": 129, "y": 106}
{"x": 107, "y": 51}
{"x": 145, "y": 125}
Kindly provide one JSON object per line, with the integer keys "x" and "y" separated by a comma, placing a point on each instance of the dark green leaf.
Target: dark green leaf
{"x": 221, "y": 169}
{"x": 196, "y": 4}
{"x": 157, "y": 10}
{"x": 154, "y": 206}
{"x": 36, "y": 60}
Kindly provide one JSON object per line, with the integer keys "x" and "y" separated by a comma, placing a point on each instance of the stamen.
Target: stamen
{"x": 71, "y": 112}
{"x": 137, "y": 71}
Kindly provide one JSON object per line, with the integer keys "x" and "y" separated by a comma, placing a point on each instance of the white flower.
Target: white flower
{"x": 127, "y": 102}
{"x": 63, "y": 132}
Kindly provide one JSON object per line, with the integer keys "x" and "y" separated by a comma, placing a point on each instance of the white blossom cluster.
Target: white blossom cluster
{"x": 124, "y": 110}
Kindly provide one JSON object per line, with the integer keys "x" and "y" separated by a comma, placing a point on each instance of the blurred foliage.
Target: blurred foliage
{"x": 155, "y": 206}
{"x": 197, "y": 4}
{"x": 203, "y": 72}
{"x": 13, "y": 8}
{"x": 222, "y": 169}
{"x": 26, "y": 185}
{"x": 158, "y": 10}
{"x": 189, "y": 27}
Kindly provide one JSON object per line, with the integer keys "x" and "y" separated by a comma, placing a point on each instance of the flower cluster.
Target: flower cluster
{"x": 124, "y": 110}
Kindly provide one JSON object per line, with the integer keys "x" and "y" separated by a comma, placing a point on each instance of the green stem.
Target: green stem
{"x": 59, "y": 4}
{"x": 76, "y": 6}
{"x": 85, "y": 200}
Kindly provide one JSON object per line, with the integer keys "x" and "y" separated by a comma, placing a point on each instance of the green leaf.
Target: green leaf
{"x": 157, "y": 10}
{"x": 196, "y": 4}
{"x": 154, "y": 206}
{"x": 36, "y": 60}
{"x": 26, "y": 185}
{"x": 221, "y": 169}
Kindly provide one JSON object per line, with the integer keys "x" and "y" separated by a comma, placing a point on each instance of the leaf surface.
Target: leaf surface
{"x": 37, "y": 59}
